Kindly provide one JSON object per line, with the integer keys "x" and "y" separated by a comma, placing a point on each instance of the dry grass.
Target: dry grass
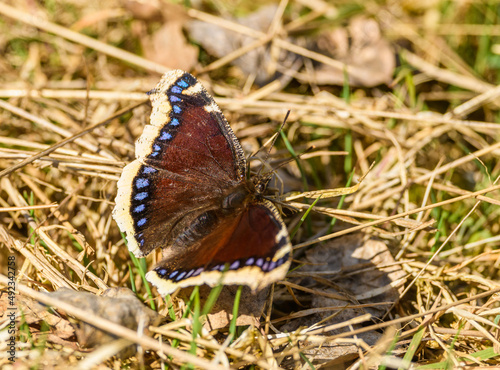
{"x": 72, "y": 88}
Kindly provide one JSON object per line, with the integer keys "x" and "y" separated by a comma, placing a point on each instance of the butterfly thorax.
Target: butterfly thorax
{"x": 238, "y": 197}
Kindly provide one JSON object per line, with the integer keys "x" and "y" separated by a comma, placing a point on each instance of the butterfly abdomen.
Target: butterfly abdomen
{"x": 196, "y": 229}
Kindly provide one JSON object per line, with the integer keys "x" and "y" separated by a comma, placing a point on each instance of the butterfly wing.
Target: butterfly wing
{"x": 251, "y": 248}
{"x": 186, "y": 157}
{"x": 188, "y": 134}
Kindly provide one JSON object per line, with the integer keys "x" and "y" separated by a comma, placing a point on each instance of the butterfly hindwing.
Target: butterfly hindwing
{"x": 252, "y": 248}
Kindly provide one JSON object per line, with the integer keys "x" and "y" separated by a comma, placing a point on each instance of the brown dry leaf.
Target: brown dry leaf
{"x": 168, "y": 45}
{"x": 337, "y": 355}
{"x": 344, "y": 257}
{"x": 146, "y": 10}
{"x": 219, "y": 42}
{"x": 347, "y": 255}
{"x": 369, "y": 56}
{"x": 35, "y": 313}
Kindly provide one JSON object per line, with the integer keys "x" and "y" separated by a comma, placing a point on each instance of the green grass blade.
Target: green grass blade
{"x": 236, "y": 306}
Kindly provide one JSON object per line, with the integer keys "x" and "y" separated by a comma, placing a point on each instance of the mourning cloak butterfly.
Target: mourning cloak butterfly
{"x": 187, "y": 193}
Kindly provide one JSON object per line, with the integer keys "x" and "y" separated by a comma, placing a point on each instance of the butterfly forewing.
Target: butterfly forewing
{"x": 185, "y": 157}
{"x": 188, "y": 134}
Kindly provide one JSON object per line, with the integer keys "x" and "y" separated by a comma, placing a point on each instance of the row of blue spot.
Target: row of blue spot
{"x": 141, "y": 186}
{"x": 265, "y": 264}
{"x": 177, "y": 88}
{"x": 141, "y": 183}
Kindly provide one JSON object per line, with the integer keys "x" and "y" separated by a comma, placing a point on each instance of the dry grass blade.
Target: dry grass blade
{"x": 81, "y": 39}
{"x": 66, "y": 141}
{"x": 324, "y": 194}
{"x": 401, "y": 215}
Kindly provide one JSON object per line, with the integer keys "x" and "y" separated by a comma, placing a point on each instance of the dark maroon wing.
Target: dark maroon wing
{"x": 186, "y": 157}
{"x": 251, "y": 248}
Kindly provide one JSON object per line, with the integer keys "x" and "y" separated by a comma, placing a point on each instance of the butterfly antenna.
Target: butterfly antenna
{"x": 272, "y": 143}
{"x": 291, "y": 159}
{"x": 265, "y": 178}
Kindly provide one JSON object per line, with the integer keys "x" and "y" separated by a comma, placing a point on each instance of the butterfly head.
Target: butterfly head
{"x": 260, "y": 183}
{"x": 245, "y": 193}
